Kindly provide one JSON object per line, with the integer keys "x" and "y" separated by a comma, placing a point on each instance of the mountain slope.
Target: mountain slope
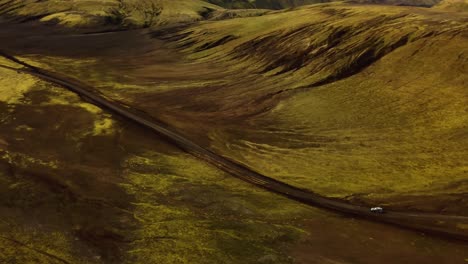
{"x": 361, "y": 103}
{"x": 267, "y": 4}
{"x": 92, "y": 14}
{"x": 453, "y": 5}
{"x": 336, "y": 98}
{"x": 376, "y": 89}
{"x": 281, "y": 4}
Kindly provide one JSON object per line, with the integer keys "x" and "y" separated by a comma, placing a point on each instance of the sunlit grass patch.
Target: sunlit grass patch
{"x": 190, "y": 213}
{"x": 14, "y": 85}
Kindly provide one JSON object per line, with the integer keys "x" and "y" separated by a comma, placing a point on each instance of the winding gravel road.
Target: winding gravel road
{"x": 450, "y": 226}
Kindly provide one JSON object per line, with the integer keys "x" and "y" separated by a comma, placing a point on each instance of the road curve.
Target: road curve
{"x": 449, "y": 226}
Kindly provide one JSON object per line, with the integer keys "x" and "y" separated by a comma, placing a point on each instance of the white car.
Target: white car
{"x": 377, "y": 210}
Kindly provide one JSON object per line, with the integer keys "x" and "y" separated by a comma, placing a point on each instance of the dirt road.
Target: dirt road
{"x": 444, "y": 225}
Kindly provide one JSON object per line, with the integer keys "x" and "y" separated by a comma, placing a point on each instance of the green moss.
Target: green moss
{"x": 14, "y": 85}
{"x": 25, "y": 161}
{"x": 30, "y": 246}
{"x": 103, "y": 127}
{"x": 9, "y": 63}
{"x": 373, "y": 98}
{"x": 453, "y": 5}
{"x": 71, "y": 19}
{"x": 95, "y": 14}
{"x": 395, "y": 126}
{"x": 186, "y": 215}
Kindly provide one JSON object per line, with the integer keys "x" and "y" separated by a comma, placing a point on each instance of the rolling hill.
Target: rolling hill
{"x": 94, "y": 14}
{"x": 371, "y": 86}
{"x": 361, "y": 103}
{"x": 266, "y": 4}
{"x": 453, "y": 5}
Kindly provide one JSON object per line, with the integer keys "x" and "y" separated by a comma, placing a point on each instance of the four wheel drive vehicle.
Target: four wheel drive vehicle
{"x": 377, "y": 210}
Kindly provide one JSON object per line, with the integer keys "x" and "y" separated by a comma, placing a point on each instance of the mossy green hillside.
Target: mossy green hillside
{"x": 123, "y": 195}
{"x": 453, "y": 5}
{"x": 98, "y": 14}
{"x": 51, "y": 197}
{"x": 189, "y": 214}
{"x": 375, "y": 97}
{"x": 267, "y": 4}
{"x": 342, "y": 99}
